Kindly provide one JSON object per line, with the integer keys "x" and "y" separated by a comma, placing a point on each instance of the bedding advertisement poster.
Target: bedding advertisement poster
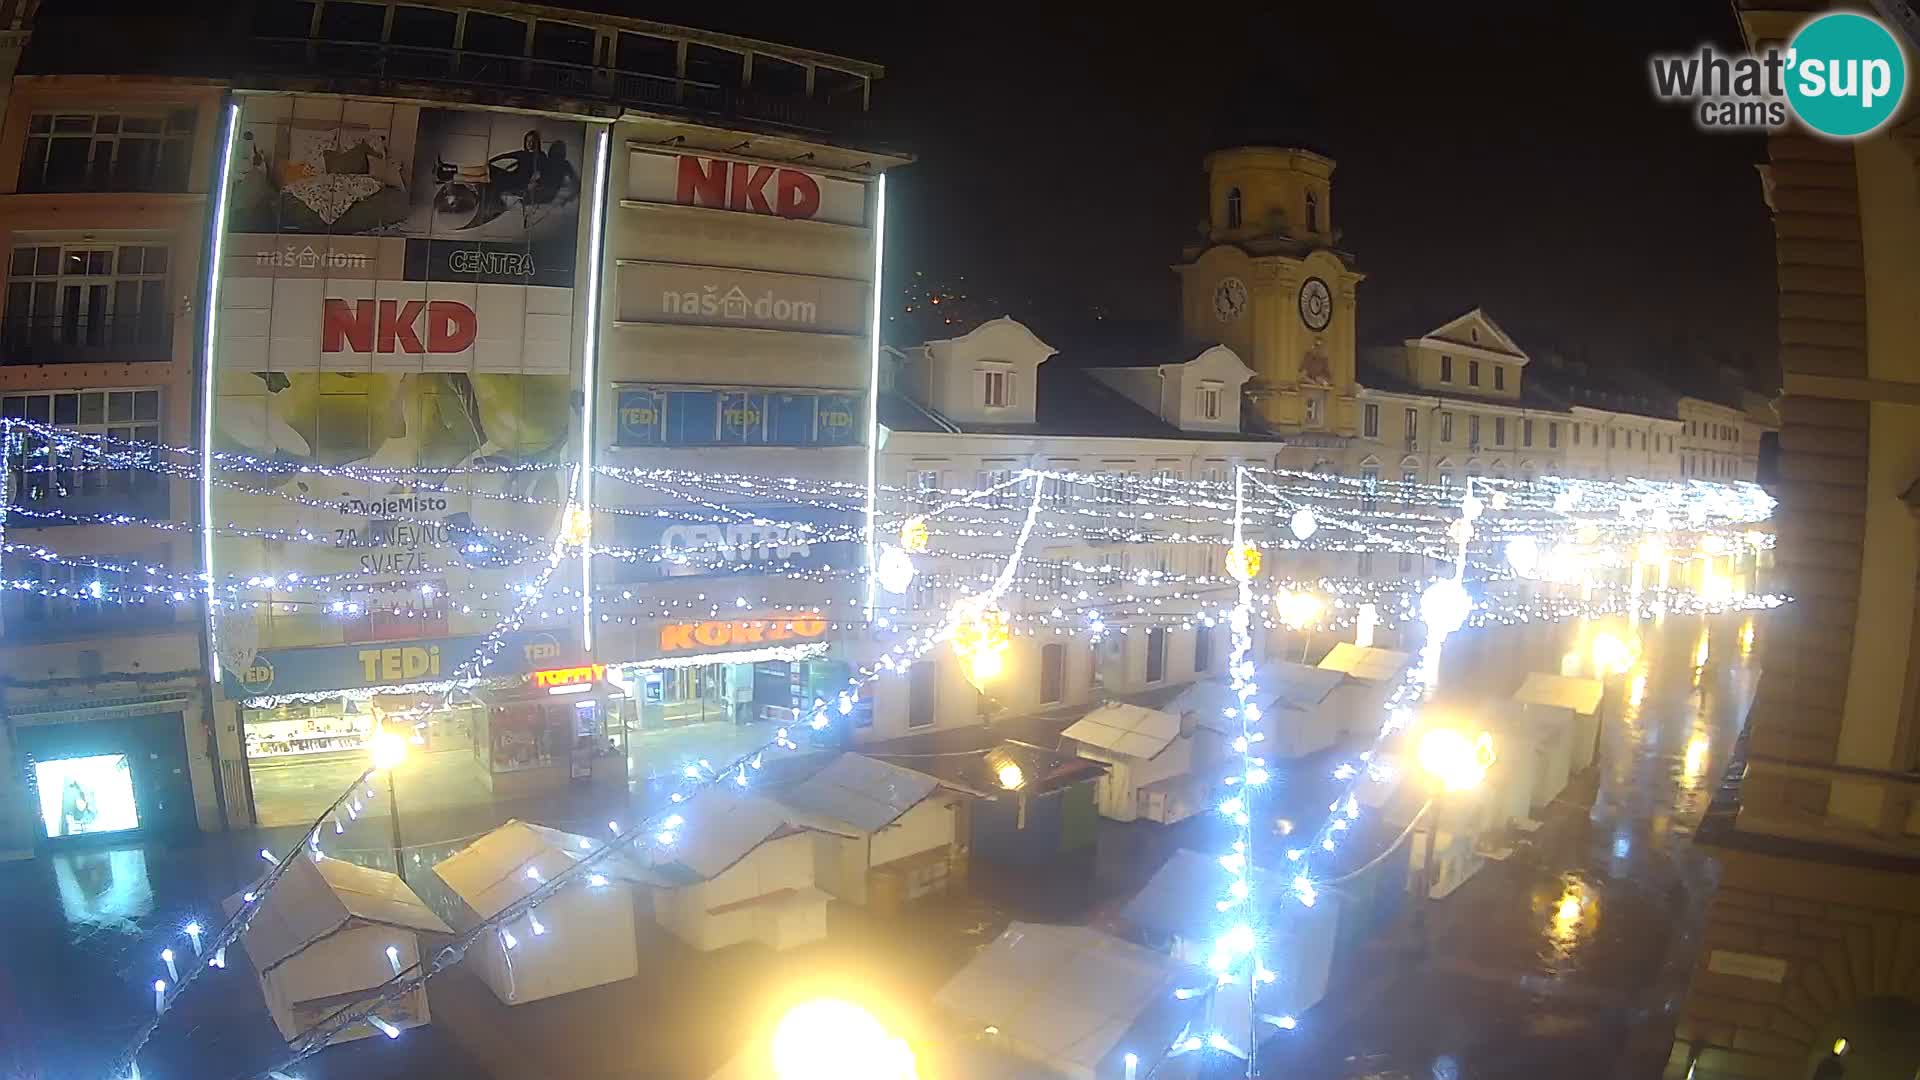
{"x": 398, "y": 296}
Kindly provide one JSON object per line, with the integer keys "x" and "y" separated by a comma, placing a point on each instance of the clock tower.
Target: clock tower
{"x": 1268, "y": 283}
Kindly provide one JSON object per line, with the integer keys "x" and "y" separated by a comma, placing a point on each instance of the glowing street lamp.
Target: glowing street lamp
{"x": 831, "y": 1039}
{"x": 1453, "y": 761}
{"x": 389, "y": 750}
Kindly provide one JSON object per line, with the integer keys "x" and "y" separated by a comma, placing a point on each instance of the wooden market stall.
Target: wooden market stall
{"x": 738, "y": 870}
{"x": 883, "y": 835}
{"x": 1373, "y": 674}
{"x": 1142, "y": 748}
{"x": 1576, "y": 700}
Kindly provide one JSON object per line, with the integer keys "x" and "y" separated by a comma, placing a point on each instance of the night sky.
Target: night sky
{"x": 1511, "y": 158}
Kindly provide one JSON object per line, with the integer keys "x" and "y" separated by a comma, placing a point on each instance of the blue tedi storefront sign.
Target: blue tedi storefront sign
{"x": 393, "y": 663}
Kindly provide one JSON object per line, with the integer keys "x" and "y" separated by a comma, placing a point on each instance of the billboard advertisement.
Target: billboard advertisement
{"x": 746, "y": 187}
{"x": 655, "y": 292}
{"x": 398, "y": 296}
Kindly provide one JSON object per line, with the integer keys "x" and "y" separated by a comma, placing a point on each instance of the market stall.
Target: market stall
{"x": 326, "y": 935}
{"x": 1299, "y": 715}
{"x": 738, "y": 871}
{"x": 883, "y": 835}
{"x": 1142, "y": 749}
{"x": 536, "y": 734}
{"x": 581, "y": 936}
{"x": 1073, "y": 1000}
{"x": 1576, "y": 700}
{"x": 1373, "y": 674}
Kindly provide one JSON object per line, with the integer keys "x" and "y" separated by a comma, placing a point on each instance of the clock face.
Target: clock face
{"x": 1316, "y": 304}
{"x": 1229, "y": 299}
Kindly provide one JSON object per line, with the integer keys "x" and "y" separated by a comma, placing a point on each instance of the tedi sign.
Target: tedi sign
{"x": 396, "y": 326}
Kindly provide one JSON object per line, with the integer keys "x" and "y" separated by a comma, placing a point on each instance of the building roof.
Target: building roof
{"x": 1063, "y": 995}
{"x": 722, "y": 827}
{"x": 1533, "y": 396}
{"x": 1126, "y": 729}
{"x": 1366, "y": 664}
{"x": 1278, "y": 683}
{"x": 491, "y": 873}
{"x": 973, "y": 769}
{"x": 1182, "y": 896}
{"x": 317, "y": 898}
{"x": 1561, "y": 691}
{"x": 857, "y": 793}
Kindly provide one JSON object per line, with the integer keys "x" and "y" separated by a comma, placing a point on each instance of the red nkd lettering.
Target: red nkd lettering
{"x": 701, "y": 183}
{"x": 390, "y": 326}
{"x": 738, "y": 185}
{"x": 796, "y": 195}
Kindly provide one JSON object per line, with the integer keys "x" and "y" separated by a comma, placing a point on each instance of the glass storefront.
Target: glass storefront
{"x": 770, "y": 691}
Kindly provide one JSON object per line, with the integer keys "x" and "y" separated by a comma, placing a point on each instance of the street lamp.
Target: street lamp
{"x": 1453, "y": 762}
{"x": 389, "y": 750}
{"x": 831, "y": 1039}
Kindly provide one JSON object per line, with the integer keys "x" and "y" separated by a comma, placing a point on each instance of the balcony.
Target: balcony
{"x": 101, "y": 339}
{"x": 385, "y": 64}
{"x": 33, "y": 619}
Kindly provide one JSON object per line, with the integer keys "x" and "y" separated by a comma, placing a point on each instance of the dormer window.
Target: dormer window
{"x": 1233, "y": 208}
{"x": 996, "y": 388}
{"x": 1313, "y": 212}
{"x": 1210, "y": 400}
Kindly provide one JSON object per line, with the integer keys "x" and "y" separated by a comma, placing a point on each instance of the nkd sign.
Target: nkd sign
{"x": 397, "y": 326}
{"x": 745, "y": 187}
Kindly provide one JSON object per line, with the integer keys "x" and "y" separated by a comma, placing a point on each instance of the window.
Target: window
{"x": 87, "y": 302}
{"x": 923, "y": 693}
{"x": 1060, "y": 489}
{"x": 1446, "y": 368}
{"x": 1446, "y": 427}
{"x": 1473, "y": 431}
{"x": 1210, "y": 400}
{"x": 1053, "y": 674}
{"x": 1371, "y": 422}
{"x": 993, "y": 476}
{"x": 1446, "y": 479}
{"x": 1499, "y": 431}
{"x": 1215, "y": 472}
{"x": 1474, "y": 333}
{"x": 1166, "y": 470}
{"x": 1499, "y": 377}
{"x": 1409, "y": 476}
{"x": 1316, "y": 409}
{"x": 926, "y": 481}
{"x": 1364, "y": 564}
{"x": 1473, "y": 373}
{"x": 996, "y": 388}
{"x": 1593, "y": 430}
{"x": 1313, "y": 212}
{"x": 1413, "y": 425}
{"x": 1526, "y": 433}
{"x": 85, "y": 611}
{"x": 1157, "y": 654}
{"x": 1233, "y": 208}
{"x": 1370, "y": 483}
{"x": 1612, "y": 437}
{"x": 1553, "y": 435}
{"x": 1202, "y": 649}
{"x": 131, "y": 151}
{"x": 1406, "y": 562}
{"x": 50, "y": 476}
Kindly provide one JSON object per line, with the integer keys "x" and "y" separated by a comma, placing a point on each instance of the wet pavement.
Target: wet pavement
{"x": 1565, "y": 960}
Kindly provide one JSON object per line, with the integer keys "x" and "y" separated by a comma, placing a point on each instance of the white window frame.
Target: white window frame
{"x": 1370, "y": 421}
{"x": 1208, "y": 405}
{"x": 996, "y": 387}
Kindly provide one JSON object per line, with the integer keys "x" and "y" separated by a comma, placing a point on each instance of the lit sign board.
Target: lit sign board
{"x": 732, "y": 633}
{"x": 570, "y": 676}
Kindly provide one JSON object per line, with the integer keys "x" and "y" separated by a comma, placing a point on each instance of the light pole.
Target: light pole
{"x": 1453, "y": 763}
{"x": 389, "y": 750}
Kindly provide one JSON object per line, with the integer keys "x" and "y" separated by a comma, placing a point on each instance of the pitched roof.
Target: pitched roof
{"x": 1126, "y": 729}
{"x": 491, "y": 873}
{"x": 1181, "y": 896}
{"x": 859, "y": 793}
{"x": 722, "y": 827}
{"x": 1063, "y": 995}
{"x": 1277, "y": 683}
{"x": 315, "y": 899}
{"x": 1561, "y": 691}
{"x": 1366, "y": 664}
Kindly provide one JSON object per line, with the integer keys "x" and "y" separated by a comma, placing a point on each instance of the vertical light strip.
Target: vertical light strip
{"x": 589, "y": 378}
{"x": 873, "y": 377}
{"x": 215, "y": 271}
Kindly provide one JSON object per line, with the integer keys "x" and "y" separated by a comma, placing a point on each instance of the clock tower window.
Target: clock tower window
{"x": 1313, "y": 212}
{"x": 1233, "y": 208}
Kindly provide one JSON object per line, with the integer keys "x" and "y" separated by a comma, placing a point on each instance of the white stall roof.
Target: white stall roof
{"x": 722, "y": 826}
{"x": 1561, "y": 691}
{"x": 859, "y": 793}
{"x": 1063, "y": 995}
{"x": 1367, "y": 664}
{"x": 1180, "y": 897}
{"x": 491, "y": 873}
{"x": 1133, "y": 730}
{"x": 1277, "y": 682}
{"x": 315, "y": 899}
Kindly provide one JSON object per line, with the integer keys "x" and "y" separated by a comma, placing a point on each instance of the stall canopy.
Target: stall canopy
{"x": 855, "y": 795}
{"x": 491, "y": 873}
{"x": 1072, "y": 998}
{"x": 1131, "y": 730}
{"x": 316, "y": 899}
{"x": 1561, "y": 692}
{"x": 1365, "y": 663}
{"x": 1276, "y": 682}
{"x": 1181, "y": 899}
{"x": 722, "y": 827}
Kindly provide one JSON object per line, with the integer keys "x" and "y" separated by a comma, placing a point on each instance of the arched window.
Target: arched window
{"x": 1233, "y": 208}
{"x": 1313, "y": 212}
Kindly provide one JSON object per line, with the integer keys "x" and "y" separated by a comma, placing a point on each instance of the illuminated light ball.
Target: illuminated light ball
{"x": 1454, "y": 760}
{"x": 1297, "y": 610}
{"x": 1471, "y": 507}
{"x": 913, "y": 534}
{"x": 1302, "y": 523}
{"x": 1243, "y": 562}
{"x": 894, "y": 570}
{"x": 389, "y": 748}
{"x": 1011, "y": 776}
{"x": 831, "y": 1039}
{"x": 1713, "y": 545}
{"x": 980, "y": 639}
{"x": 1460, "y": 530}
{"x": 1444, "y": 607}
{"x": 1498, "y": 500}
{"x": 1696, "y": 514}
{"x": 576, "y": 528}
{"x": 1523, "y": 554}
{"x": 1566, "y": 500}
{"x": 1660, "y": 519}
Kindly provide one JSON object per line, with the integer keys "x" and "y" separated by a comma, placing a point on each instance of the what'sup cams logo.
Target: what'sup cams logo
{"x": 1843, "y": 75}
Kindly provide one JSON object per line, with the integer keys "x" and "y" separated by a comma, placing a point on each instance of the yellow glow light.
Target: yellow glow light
{"x": 1637, "y": 692}
{"x": 1011, "y": 777}
{"x": 1568, "y": 914}
{"x": 830, "y": 1039}
{"x": 1243, "y": 562}
{"x": 913, "y": 535}
{"x": 1746, "y": 638}
{"x": 1714, "y": 544}
{"x": 980, "y": 642}
{"x": 1695, "y": 761}
{"x": 1700, "y": 651}
{"x": 1612, "y": 655}
{"x": 1456, "y": 762}
{"x": 1653, "y": 550}
{"x": 576, "y": 527}
{"x": 1715, "y": 587}
{"x": 389, "y": 748}
{"x": 1839, "y": 1047}
{"x": 1298, "y": 610}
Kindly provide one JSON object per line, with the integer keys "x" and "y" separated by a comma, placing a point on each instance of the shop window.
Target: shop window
{"x": 566, "y": 43}
{"x": 423, "y": 28}
{"x": 49, "y": 474}
{"x": 1157, "y": 655}
{"x": 1202, "y": 649}
{"x": 923, "y": 693}
{"x": 1053, "y": 674}
{"x": 117, "y": 151}
{"x": 645, "y": 55}
{"x": 351, "y": 22}
{"x": 494, "y": 35}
